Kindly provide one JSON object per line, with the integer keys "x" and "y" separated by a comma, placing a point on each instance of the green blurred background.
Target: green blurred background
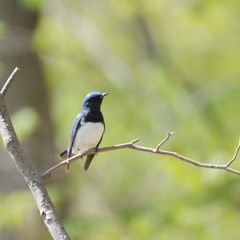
{"x": 168, "y": 66}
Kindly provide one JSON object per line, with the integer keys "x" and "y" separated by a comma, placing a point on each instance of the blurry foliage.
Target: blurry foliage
{"x": 168, "y": 65}
{"x": 25, "y": 122}
{"x": 32, "y": 4}
{"x": 15, "y": 208}
{"x": 3, "y": 29}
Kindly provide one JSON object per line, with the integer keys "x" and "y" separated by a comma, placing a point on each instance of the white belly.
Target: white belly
{"x": 88, "y": 136}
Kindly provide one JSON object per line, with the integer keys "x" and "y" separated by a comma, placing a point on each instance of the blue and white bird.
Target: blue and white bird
{"x": 88, "y": 128}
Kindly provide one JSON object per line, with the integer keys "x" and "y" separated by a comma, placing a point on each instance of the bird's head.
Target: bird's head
{"x": 93, "y": 100}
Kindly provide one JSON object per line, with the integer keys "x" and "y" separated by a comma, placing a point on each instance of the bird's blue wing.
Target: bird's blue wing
{"x": 75, "y": 127}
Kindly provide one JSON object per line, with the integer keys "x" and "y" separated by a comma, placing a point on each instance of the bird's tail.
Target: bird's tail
{"x": 88, "y": 161}
{"x": 63, "y": 154}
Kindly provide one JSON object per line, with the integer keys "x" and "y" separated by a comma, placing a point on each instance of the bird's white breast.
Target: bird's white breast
{"x": 88, "y": 136}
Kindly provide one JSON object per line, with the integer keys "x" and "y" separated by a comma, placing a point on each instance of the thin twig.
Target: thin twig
{"x": 234, "y": 156}
{"x": 169, "y": 134}
{"x": 133, "y": 146}
{"x": 58, "y": 166}
{"x": 9, "y": 81}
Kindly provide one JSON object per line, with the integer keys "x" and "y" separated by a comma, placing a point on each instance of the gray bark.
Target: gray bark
{"x": 32, "y": 179}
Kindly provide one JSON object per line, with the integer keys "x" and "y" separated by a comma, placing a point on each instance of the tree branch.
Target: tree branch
{"x": 66, "y": 162}
{"x": 32, "y": 179}
{"x": 131, "y": 145}
{"x": 9, "y": 81}
{"x": 169, "y": 134}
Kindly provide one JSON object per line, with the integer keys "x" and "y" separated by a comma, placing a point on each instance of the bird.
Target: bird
{"x": 88, "y": 128}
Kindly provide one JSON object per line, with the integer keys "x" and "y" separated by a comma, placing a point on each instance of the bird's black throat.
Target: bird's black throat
{"x": 94, "y": 115}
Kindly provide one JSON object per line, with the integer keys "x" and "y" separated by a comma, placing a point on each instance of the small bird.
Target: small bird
{"x": 87, "y": 129}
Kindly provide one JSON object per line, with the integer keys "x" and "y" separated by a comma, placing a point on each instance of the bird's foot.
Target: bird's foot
{"x": 67, "y": 166}
{"x": 95, "y": 149}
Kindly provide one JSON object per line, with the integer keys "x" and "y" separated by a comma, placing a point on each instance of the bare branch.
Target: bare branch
{"x": 31, "y": 177}
{"x": 234, "y": 156}
{"x": 9, "y": 81}
{"x": 133, "y": 146}
{"x": 169, "y": 134}
{"x": 66, "y": 162}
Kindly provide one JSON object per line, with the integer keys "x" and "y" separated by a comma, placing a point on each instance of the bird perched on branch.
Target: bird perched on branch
{"x": 87, "y": 129}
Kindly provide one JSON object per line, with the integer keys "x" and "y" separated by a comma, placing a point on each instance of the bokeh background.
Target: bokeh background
{"x": 169, "y": 66}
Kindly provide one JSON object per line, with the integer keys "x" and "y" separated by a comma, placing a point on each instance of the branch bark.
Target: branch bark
{"x": 131, "y": 145}
{"x": 31, "y": 177}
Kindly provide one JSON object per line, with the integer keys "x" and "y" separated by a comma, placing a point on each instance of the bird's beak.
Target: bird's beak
{"x": 104, "y": 94}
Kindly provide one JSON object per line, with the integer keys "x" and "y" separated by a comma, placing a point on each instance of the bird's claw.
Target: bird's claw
{"x": 67, "y": 167}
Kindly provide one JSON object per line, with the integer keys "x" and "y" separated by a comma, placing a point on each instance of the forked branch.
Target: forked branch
{"x": 132, "y": 145}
